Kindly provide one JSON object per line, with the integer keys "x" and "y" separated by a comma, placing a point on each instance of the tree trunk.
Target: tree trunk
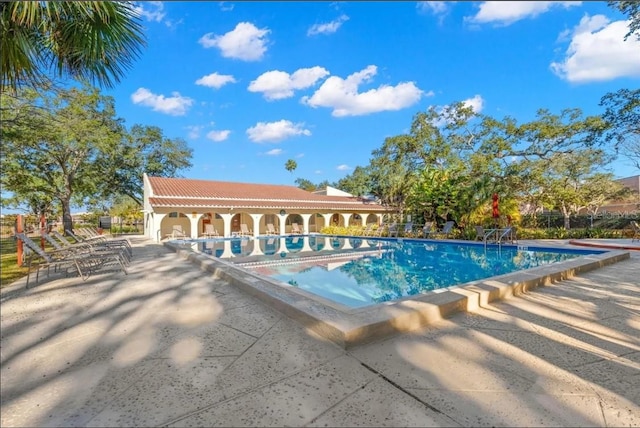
{"x": 66, "y": 214}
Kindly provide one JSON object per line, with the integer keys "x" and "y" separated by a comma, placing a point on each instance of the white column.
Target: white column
{"x": 156, "y": 227}
{"x": 346, "y": 217}
{"x": 305, "y": 245}
{"x": 226, "y": 219}
{"x": 283, "y": 246}
{"x": 256, "y": 224}
{"x": 282, "y": 221}
{"x": 194, "y": 224}
{"x": 327, "y": 219}
{"x": 305, "y": 222}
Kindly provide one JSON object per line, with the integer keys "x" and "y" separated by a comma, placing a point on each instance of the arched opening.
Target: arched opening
{"x": 337, "y": 220}
{"x": 372, "y": 218}
{"x": 294, "y": 223}
{"x": 174, "y": 224}
{"x": 238, "y": 220}
{"x": 355, "y": 220}
{"x": 316, "y": 223}
{"x": 211, "y": 224}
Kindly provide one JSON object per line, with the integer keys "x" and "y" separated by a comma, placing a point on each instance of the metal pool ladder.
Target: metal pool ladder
{"x": 499, "y": 236}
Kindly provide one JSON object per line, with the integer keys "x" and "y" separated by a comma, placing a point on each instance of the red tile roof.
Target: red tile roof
{"x": 183, "y": 192}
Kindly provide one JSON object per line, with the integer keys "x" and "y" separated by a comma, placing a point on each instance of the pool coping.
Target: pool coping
{"x": 349, "y": 327}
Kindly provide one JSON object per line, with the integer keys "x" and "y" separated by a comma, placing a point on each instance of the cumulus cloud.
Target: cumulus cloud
{"x": 343, "y": 97}
{"x": 176, "y": 105}
{"x": 274, "y": 152}
{"x": 245, "y": 42}
{"x": 327, "y": 28}
{"x": 276, "y": 131}
{"x": 476, "y": 103}
{"x": 508, "y": 12}
{"x": 218, "y": 136}
{"x": 150, "y": 10}
{"x": 598, "y": 52}
{"x": 343, "y": 167}
{"x": 276, "y": 84}
{"x": 215, "y": 80}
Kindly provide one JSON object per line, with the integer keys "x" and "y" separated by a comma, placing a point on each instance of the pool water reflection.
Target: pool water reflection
{"x": 358, "y": 272}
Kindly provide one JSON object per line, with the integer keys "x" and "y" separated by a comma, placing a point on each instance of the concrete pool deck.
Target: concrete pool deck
{"x": 171, "y": 345}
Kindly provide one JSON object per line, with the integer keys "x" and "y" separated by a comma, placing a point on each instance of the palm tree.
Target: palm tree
{"x": 290, "y": 165}
{"x": 93, "y": 40}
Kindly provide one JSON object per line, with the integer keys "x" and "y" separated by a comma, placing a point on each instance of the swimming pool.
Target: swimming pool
{"x": 358, "y": 272}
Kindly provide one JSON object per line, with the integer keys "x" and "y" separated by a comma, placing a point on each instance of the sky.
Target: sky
{"x": 249, "y": 85}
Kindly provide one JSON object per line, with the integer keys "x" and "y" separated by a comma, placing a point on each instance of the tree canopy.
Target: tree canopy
{"x": 68, "y": 146}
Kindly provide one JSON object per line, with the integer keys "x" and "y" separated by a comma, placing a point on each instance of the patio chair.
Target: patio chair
{"x": 83, "y": 263}
{"x": 635, "y": 227}
{"x": 119, "y": 246}
{"x": 244, "y": 230}
{"x": 392, "y": 230}
{"x": 295, "y": 228}
{"x": 408, "y": 229}
{"x": 271, "y": 230}
{"x": 480, "y": 233}
{"x": 446, "y": 229}
{"x": 427, "y": 229}
{"x": 99, "y": 241}
{"x": 209, "y": 231}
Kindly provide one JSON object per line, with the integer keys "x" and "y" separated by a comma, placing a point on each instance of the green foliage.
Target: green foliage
{"x": 631, "y": 8}
{"x": 96, "y": 40}
{"x": 622, "y": 115}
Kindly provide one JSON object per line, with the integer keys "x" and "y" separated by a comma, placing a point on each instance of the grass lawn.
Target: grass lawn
{"x": 9, "y": 267}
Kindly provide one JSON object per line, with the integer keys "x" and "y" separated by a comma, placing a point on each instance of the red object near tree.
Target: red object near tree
{"x": 496, "y": 210}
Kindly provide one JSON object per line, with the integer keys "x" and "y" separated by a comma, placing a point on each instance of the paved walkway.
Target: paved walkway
{"x": 170, "y": 345}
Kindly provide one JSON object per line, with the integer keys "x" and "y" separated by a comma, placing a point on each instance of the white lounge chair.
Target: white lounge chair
{"x": 244, "y": 230}
{"x": 271, "y": 230}
{"x": 408, "y": 229}
{"x": 393, "y": 230}
{"x": 295, "y": 228}
{"x": 209, "y": 231}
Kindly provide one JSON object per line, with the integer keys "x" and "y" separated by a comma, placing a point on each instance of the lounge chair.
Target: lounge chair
{"x": 271, "y": 230}
{"x": 116, "y": 246}
{"x": 480, "y": 233}
{"x": 98, "y": 241}
{"x": 209, "y": 231}
{"x": 83, "y": 262}
{"x": 427, "y": 229}
{"x": 244, "y": 230}
{"x": 635, "y": 227}
{"x": 392, "y": 230}
{"x": 295, "y": 228}
{"x": 408, "y": 229}
{"x": 446, "y": 229}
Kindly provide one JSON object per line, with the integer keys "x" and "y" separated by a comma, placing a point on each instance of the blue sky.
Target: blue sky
{"x": 249, "y": 85}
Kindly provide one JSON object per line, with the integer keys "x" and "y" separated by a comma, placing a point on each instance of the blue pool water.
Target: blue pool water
{"x": 360, "y": 272}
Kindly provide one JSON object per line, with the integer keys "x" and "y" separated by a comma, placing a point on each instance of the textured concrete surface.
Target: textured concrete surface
{"x": 171, "y": 345}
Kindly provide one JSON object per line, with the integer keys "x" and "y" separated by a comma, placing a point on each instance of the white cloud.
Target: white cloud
{"x": 327, "y": 28}
{"x": 218, "y": 136}
{"x": 277, "y": 84}
{"x": 343, "y": 167}
{"x": 215, "y": 80}
{"x": 194, "y": 131}
{"x": 435, "y": 7}
{"x": 299, "y": 155}
{"x": 245, "y": 42}
{"x": 508, "y": 12}
{"x": 276, "y": 131}
{"x": 598, "y": 52}
{"x": 150, "y": 10}
{"x": 274, "y": 152}
{"x": 176, "y": 105}
{"x": 342, "y": 95}
{"x": 226, "y": 6}
{"x": 317, "y": 171}
{"x": 476, "y": 103}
